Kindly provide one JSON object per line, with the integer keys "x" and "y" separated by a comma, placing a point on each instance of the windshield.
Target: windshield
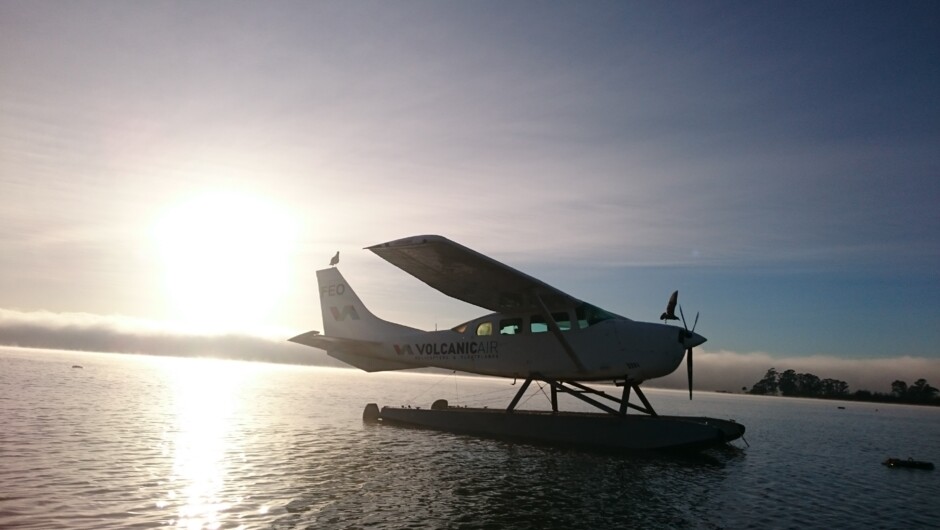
{"x": 588, "y": 315}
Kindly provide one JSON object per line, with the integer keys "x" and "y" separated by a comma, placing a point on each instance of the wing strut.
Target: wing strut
{"x": 558, "y": 334}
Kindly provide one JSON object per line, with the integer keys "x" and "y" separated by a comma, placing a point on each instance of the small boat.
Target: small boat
{"x": 77, "y": 366}
{"x": 909, "y": 463}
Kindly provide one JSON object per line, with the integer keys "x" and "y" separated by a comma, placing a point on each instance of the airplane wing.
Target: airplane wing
{"x": 467, "y": 275}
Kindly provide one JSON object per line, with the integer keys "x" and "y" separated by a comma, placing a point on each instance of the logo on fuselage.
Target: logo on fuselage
{"x": 449, "y": 348}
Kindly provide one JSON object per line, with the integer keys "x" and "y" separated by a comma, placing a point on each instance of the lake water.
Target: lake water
{"x": 135, "y": 441}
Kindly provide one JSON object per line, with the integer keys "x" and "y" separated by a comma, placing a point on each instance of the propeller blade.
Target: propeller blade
{"x": 683, "y": 318}
{"x": 688, "y": 363}
{"x": 695, "y": 323}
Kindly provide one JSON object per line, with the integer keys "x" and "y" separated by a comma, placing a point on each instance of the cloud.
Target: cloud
{"x": 725, "y": 370}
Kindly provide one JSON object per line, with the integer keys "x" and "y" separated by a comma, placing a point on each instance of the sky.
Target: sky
{"x": 187, "y": 167}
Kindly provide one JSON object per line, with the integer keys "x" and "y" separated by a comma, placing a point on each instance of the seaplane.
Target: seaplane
{"x": 535, "y": 332}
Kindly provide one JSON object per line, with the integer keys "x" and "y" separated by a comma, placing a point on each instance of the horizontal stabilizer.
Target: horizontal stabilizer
{"x": 358, "y": 347}
{"x": 362, "y": 354}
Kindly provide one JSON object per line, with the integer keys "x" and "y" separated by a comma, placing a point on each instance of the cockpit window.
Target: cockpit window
{"x": 485, "y": 328}
{"x": 588, "y": 315}
{"x": 510, "y": 326}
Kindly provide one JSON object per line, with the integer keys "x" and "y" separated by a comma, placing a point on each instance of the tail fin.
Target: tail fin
{"x": 344, "y": 314}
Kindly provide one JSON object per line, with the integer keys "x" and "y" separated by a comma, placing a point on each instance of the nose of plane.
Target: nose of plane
{"x": 692, "y": 340}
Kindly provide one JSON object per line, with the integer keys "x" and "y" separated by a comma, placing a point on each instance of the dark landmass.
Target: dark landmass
{"x": 791, "y": 384}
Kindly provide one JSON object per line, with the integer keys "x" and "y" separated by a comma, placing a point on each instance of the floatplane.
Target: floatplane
{"x": 535, "y": 333}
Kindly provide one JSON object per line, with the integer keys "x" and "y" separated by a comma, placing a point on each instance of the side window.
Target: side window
{"x": 485, "y": 328}
{"x": 510, "y": 326}
{"x": 537, "y": 324}
{"x": 563, "y": 321}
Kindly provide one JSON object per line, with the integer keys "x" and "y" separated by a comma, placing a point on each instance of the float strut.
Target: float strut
{"x": 646, "y": 403}
{"x": 515, "y": 400}
{"x": 625, "y": 400}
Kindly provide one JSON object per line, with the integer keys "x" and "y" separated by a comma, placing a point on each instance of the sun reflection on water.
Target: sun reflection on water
{"x": 205, "y": 409}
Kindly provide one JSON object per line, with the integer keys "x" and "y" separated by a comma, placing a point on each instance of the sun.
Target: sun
{"x": 226, "y": 260}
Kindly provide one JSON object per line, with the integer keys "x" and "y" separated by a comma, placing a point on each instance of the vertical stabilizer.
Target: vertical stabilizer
{"x": 344, "y": 314}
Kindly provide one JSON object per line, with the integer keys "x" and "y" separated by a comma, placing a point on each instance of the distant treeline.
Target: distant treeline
{"x": 790, "y": 383}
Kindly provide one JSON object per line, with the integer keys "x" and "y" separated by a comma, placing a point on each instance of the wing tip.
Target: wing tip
{"x": 409, "y": 241}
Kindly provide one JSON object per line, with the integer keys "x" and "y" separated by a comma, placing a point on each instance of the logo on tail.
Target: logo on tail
{"x": 347, "y": 311}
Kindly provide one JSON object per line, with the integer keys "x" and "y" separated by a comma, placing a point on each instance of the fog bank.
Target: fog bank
{"x": 723, "y": 370}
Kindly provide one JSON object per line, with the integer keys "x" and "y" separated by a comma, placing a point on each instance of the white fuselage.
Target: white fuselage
{"x": 582, "y": 342}
{"x": 616, "y": 348}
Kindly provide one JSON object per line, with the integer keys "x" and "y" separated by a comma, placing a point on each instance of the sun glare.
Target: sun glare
{"x": 206, "y": 413}
{"x": 226, "y": 261}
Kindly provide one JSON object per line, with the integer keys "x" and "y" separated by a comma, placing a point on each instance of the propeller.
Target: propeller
{"x": 688, "y": 352}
